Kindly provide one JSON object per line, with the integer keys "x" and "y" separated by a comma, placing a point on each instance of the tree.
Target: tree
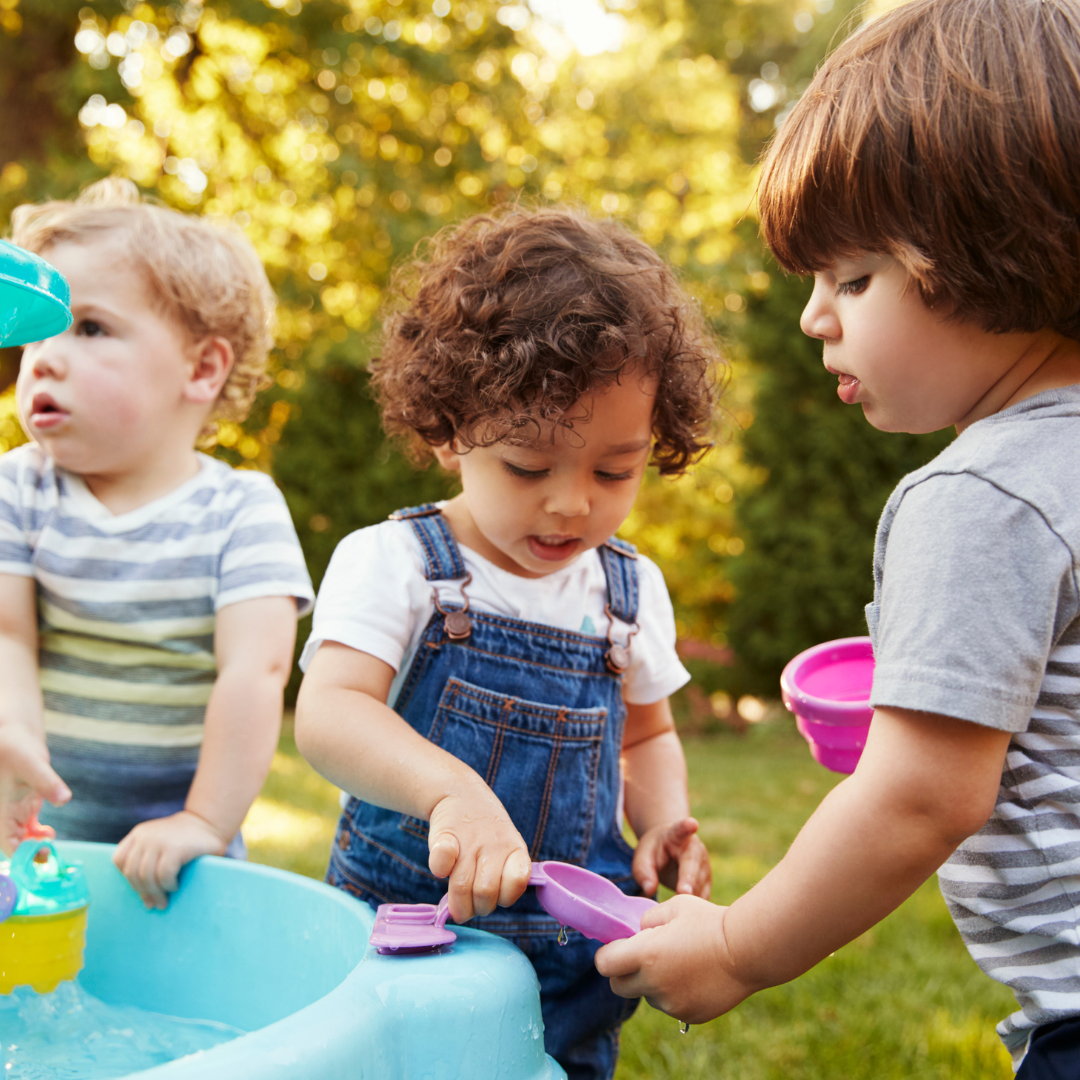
{"x": 809, "y": 525}
{"x": 338, "y": 133}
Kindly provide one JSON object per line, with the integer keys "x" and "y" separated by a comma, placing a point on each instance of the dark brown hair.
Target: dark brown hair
{"x": 509, "y": 318}
{"x": 946, "y": 134}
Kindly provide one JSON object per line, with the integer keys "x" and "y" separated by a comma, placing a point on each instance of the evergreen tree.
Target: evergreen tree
{"x": 808, "y": 527}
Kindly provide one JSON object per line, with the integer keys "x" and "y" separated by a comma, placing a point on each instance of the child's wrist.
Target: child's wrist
{"x": 205, "y": 823}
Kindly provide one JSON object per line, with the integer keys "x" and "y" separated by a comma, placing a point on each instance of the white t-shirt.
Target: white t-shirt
{"x": 375, "y": 598}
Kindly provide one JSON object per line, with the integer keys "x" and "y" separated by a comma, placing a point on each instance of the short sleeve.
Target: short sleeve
{"x": 372, "y": 595}
{"x": 655, "y": 671}
{"x": 976, "y": 587}
{"x": 262, "y": 555}
{"x": 16, "y": 554}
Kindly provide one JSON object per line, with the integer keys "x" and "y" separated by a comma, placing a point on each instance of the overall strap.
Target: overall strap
{"x": 617, "y": 557}
{"x": 442, "y": 557}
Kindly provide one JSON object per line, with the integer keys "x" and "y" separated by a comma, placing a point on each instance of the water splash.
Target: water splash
{"x": 71, "y": 1035}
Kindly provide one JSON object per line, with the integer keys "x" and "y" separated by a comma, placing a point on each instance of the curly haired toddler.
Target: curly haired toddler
{"x": 477, "y": 668}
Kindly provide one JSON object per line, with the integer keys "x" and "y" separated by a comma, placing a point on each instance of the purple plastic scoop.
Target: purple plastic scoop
{"x": 587, "y": 902}
{"x": 577, "y": 897}
{"x": 411, "y": 928}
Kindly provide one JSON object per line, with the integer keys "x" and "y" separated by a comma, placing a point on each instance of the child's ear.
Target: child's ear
{"x": 211, "y": 362}
{"x": 447, "y": 457}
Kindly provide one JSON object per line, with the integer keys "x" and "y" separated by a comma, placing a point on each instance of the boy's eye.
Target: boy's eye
{"x": 853, "y": 288}
{"x": 89, "y": 328}
{"x": 525, "y": 474}
{"x": 613, "y": 476}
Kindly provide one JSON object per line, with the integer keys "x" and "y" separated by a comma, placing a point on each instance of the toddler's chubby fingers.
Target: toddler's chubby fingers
{"x": 681, "y": 831}
{"x": 443, "y": 853}
{"x": 25, "y": 764}
{"x": 486, "y": 883}
{"x": 46, "y": 782}
{"x": 695, "y": 870}
{"x": 137, "y": 863}
{"x": 515, "y": 877}
{"x": 167, "y": 871}
{"x": 460, "y": 892}
{"x": 145, "y": 879}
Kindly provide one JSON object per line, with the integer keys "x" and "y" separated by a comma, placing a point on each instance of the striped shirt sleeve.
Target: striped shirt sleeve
{"x": 262, "y": 555}
{"x": 16, "y": 555}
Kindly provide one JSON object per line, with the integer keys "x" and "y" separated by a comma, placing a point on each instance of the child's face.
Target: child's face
{"x": 533, "y": 509}
{"x": 911, "y": 368}
{"x": 109, "y": 391}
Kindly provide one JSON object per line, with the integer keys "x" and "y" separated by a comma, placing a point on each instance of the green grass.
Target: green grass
{"x": 903, "y": 1001}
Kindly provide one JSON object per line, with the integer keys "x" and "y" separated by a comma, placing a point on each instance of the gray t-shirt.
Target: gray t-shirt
{"x": 976, "y": 614}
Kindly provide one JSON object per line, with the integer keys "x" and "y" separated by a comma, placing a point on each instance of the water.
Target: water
{"x": 71, "y": 1035}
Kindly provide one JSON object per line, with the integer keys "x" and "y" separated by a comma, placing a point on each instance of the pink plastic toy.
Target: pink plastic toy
{"x": 577, "y": 897}
{"x": 410, "y": 928}
{"x": 828, "y": 689}
{"x": 585, "y": 901}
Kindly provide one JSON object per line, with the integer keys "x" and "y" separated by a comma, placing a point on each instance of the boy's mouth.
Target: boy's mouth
{"x": 848, "y": 388}
{"x": 45, "y": 413}
{"x": 553, "y": 548}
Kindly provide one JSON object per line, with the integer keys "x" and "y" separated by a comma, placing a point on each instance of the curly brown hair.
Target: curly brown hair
{"x": 508, "y": 319}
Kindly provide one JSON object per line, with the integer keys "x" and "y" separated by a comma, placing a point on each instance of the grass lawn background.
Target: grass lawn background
{"x": 903, "y": 1001}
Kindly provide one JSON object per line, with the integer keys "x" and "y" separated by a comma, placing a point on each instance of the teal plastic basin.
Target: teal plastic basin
{"x": 286, "y": 959}
{"x": 35, "y": 301}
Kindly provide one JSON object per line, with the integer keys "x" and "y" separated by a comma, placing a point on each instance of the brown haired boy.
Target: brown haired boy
{"x": 148, "y": 593}
{"x": 928, "y": 179}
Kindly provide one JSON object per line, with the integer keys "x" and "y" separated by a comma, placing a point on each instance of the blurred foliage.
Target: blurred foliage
{"x": 806, "y": 572}
{"x": 338, "y": 133}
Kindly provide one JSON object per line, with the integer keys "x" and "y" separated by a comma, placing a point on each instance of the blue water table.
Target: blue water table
{"x": 287, "y": 960}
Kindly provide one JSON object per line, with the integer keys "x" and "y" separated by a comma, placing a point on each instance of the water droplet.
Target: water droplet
{"x": 563, "y": 936}
{"x": 684, "y": 1027}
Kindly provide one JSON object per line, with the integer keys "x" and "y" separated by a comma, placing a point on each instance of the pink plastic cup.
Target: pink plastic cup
{"x": 828, "y": 689}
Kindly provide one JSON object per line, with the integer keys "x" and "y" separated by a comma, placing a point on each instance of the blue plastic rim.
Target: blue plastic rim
{"x": 35, "y": 301}
{"x": 286, "y": 959}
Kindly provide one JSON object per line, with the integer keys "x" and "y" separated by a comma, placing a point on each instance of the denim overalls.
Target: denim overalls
{"x": 538, "y": 713}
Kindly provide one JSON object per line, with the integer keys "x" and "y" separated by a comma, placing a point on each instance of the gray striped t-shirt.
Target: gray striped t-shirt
{"x": 126, "y": 608}
{"x": 976, "y": 615}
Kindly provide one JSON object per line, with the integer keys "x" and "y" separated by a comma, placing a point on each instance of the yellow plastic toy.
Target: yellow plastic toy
{"x": 43, "y": 903}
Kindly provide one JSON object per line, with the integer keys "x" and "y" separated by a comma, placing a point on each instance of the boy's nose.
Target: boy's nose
{"x": 46, "y": 359}
{"x": 570, "y": 500}
{"x": 819, "y": 318}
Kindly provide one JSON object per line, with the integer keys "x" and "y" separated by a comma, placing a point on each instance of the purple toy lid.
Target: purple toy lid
{"x": 9, "y": 896}
{"x": 411, "y": 928}
{"x": 831, "y": 682}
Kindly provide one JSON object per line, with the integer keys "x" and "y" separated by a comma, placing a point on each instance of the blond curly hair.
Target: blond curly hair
{"x": 205, "y": 274}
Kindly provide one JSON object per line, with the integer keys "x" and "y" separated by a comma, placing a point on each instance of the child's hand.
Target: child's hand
{"x": 26, "y": 780}
{"x": 474, "y": 841}
{"x": 673, "y": 854}
{"x": 679, "y": 962}
{"x": 152, "y": 854}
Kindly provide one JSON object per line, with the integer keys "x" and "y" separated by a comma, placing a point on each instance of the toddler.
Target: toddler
{"x": 477, "y": 668}
{"x": 928, "y": 180}
{"x": 148, "y": 593}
